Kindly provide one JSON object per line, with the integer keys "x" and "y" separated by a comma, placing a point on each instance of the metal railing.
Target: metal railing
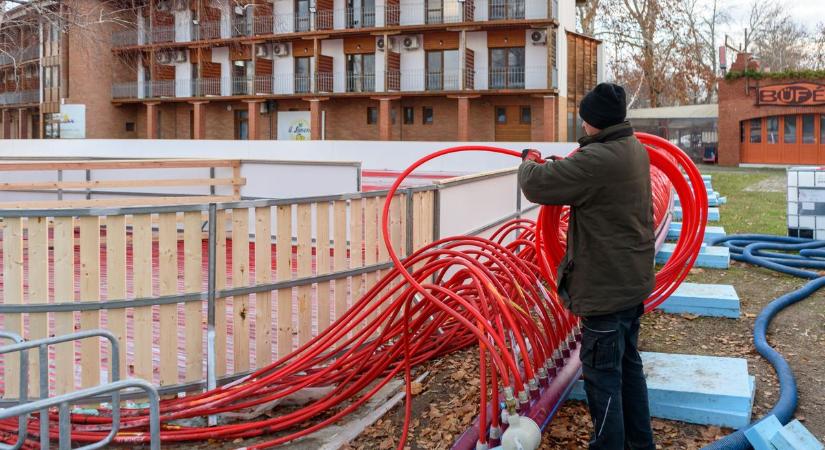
{"x": 448, "y": 80}
{"x": 506, "y": 10}
{"x": 126, "y": 38}
{"x": 506, "y": 78}
{"x": 20, "y": 97}
{"x": 242, "y": 86}
{"x": 162, "y": 34}
{"x": 23, "y": 388}
{"x": 202, "y": 31}
{"x": 18, "y": 56}
{"x": 114, "y": 386}
{"x": 360, "y": 17}
{"x": 241, "y": 26}
{"x": 360, "y": 82}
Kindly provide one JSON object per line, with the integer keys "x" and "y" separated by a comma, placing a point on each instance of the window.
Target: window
{"x": 241, "y": 77}
{"x": 507, "y": 68}
{"x": 808, "y": 129}
{"x": 822, "y": 129}
{"x": 790, "y": 129}
{"x": 361, "y": 72}
{"x": 302, "y": 16}
{"x": 442, "y": 70}
{"x": 506, "y": 9}
{"x": 526, "y": 116}
{"x": 773, "y": 130}
{"x": 360, "y": 13}
{"x": 756, "y": 131}
{"x": 427, "y": 115}
{"x": 409, "y": 115}
{"x": 372, "y": 115}
{"x": 742, "y": 132}
{"x": 501, "y": 115}
{"x": 130, "y": 127}
{"x": 242, "y": 125}
{"x": 303, "y": 74}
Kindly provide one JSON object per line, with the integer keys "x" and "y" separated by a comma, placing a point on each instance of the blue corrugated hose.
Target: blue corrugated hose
{"x": 764, "y": 250}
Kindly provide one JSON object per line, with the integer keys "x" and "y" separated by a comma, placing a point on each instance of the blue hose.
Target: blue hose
{"x": 767, "y": 251}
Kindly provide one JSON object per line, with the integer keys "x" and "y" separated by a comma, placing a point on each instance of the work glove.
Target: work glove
{"x": 532, "y": 155}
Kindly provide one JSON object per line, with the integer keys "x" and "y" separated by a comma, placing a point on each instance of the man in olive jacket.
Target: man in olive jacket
{"x": 607, "y": 272}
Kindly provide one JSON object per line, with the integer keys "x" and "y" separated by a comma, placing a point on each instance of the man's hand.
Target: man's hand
{"x": 532, "y": 155}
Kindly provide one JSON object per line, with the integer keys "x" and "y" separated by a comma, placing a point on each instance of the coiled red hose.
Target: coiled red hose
{"x": 451, "y": 294}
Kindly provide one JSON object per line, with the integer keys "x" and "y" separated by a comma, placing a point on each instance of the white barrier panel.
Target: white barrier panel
{"x": 392, "y": 155}
{"x": 468, "y": 203}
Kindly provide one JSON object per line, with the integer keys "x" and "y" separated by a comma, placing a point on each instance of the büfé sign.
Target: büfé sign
{"x": 791, "y": 94}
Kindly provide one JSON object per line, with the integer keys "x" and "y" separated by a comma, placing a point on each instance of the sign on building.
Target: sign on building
{"x": 294, "y": 126}
{"x": 792, "y": 94}
{"x": 73, "y": 121}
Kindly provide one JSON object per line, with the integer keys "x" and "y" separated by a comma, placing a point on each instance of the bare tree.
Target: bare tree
{"x": 700, "y": 56}
{"x": 587, "y": 11}
{"x": 816, "y": 56}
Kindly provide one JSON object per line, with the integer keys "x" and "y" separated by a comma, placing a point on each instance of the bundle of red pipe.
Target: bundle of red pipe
{"x": 460, "y": 291}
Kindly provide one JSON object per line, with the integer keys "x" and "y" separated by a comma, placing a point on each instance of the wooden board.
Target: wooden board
{"x": 192, "y": 282}
{"x": 168, "y": 281}
{"x": 89, "y": 292}
{"x": 340, "y": 255}
{"x": 356, "y": 247}
{"x": 97, "y": 184}
{"x": 220, "y": 284}
{"x": 322, "y": 263}
{"x": 63, "y": 243}
{"x": 38, "y": 228}
{"x": 12, "y": 295}
{"x": 116, "y": 282}
{"x": 142, "y": 366}
{"x": 304, "y": 270}
{"x": 119, "y": 202}
{"x": 370, "y": 244}
{"x": 240, "y": 278}
{"x": 263, "y": 274}
{"x": 284, "y": 272}
{"x": 114, "y": 164}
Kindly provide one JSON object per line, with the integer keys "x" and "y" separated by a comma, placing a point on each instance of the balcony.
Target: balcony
{"x": 19, "y": 97}
{"x": 506, "y": 78}
{"x": 19, "y": 56}
{"x": 360, "y": 82}
{"x": 449, "y": 80}
{"x": 202, "y": 31}
{"x": 506, "y": 10}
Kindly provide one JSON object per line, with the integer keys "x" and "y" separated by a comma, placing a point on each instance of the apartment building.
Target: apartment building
{"x": 482, "y": 70}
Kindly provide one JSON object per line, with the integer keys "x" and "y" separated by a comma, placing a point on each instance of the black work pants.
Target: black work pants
{"x": 614, "y": 381}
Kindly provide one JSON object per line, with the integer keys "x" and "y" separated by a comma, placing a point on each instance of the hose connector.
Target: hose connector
{"x": 510, "y": 400}
{"x": 523, "y": 401}
{"x": 565, "y": 349}
{"x": 482, "y": 446}
{"x": 495, "y": 434}
{"x": 533, "y": 386}
{"x": 544, "y": 380}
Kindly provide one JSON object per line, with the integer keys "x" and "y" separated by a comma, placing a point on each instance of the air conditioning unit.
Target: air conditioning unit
{"x": 162, "y": 6}
{"x": 164, "y": 58}
{"x": 538, "y": 37}
{"x": 180, "y": 56}
{"x": 280, "y": 49}
{"x": 181, "y": 5}
{"x": 410, "y": 42}
{"x": 262, "y": 51}
{"x": 384, "y": 45}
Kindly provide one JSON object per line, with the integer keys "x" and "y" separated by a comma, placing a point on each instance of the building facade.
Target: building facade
{"x": 481, "y": 70}
{"x": 771, "y": 120}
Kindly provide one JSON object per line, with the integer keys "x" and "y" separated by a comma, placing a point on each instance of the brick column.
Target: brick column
{"x": 152, "y": 120}
{"x": 254, "y": 116}
{"x": 199, "y": 119}
{"x": 22, "y": 124}
{"x": 384, "y": 120}
{"x": 315, "y": 117}
{"x": 463, "y": 119}
{"x": 549, "y": 118}
{"x": 6, "y": 118}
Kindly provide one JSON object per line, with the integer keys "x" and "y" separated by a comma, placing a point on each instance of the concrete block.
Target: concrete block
{"x": 710, "y": 257}
{"x": 711, "y": 232}
{"x": 760, "y": 435}
{"x": 713, "y": 214}
{"x": 714, "y": 300}
{"x": 794, "y": 436}
{"x": 707, "y": 390}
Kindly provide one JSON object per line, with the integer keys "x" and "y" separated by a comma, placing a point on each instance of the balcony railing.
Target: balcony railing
{"x": 18, "y": 56}
{"x": 202, "y": 31}
{"x": 19, "y": 97}
{"x": 449, "y": 80}
{"x": 162, "y": 34}
{"x": 360, "y": 17}
{"x": 506, "y": 78}
{"x": 241, "y": 26}
{"x": 360, "y": 82}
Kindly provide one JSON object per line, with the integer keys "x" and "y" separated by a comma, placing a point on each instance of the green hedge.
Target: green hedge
{"x": 759, "y": 75}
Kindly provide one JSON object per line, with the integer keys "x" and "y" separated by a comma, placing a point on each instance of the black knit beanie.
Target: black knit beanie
{"x": 604, "y": 106}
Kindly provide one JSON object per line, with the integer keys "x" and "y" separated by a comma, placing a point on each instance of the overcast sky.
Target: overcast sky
{"x": 807, "y": 12}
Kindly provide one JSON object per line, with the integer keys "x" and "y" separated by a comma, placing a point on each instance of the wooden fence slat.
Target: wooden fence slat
{"x": 192, "y": 282}
{"x": 340, "y": 255}
{"x": 304, "y": 270}
{"x": 38, "y": 228}
{"x": 63, "y": 242}
{"x": 168, "y": 283}
{"x": 240, "y": 277}
{"x": 143, "y": 366}
{"x": 322, "y": 263}
{"x": 263, "y": 300}
{"x": 370, "y": 244}
{"x": 221, "y": 348}
{"x": 283, "y": 268}
{"x": 12, "y": 295}
{"x": 356, "y": 247}
{"x": 116, "y": 282}
{"x": 90, "y": 292}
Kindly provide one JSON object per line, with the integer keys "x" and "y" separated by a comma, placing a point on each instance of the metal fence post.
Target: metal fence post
{"x": 437, "y": 213}
{"x": 211, "y": 382}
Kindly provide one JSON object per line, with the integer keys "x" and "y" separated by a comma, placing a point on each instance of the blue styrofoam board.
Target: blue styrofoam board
{"x": 710, "y": 257}
{"x": 708, "y": 390}
{"x": 760, "y": 435}
{"x": 713, "y": 200}
{"x": 711, "y": 232}
{"x": 713, "y": 214}
{"x": 714, "y": 300}
{"x": 794, "y": 436}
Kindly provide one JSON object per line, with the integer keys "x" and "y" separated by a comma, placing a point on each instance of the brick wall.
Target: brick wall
{"x": 737, "y": 102}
